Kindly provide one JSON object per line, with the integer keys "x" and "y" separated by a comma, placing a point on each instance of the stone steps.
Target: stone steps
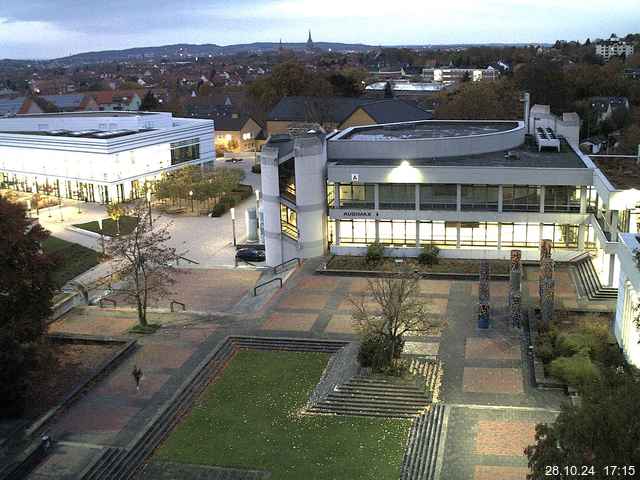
{"x": 431, "y": 370}
{"x": 377, "y": 397}
{"x": 425, "y": 445}
{"x": 123, "y": 466}
{"x": 591, "y": 285}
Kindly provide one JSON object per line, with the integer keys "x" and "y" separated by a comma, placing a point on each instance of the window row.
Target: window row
{"x": 466, "y": 234}
{"x": 515, "y": 198}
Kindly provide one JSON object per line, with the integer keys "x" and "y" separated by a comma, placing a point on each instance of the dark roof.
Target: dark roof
{"x": 283, "y": 142}
{"x": 304, "y": 109}
{"x": 623, "y": 173}
{"x": 338, "y": 109}
{"x": 527, "y": 157}
{"x": 9, "y": 106}
{"x": 230, "y": 123}
{"x": 393, "y": 110}
{"x": 65, "y": 102}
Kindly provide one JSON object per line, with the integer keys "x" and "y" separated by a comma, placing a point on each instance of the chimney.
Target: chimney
{"x": 526, "y": 99}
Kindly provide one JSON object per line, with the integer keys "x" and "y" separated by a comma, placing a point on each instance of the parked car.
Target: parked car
{"x": 233, "y": 160}
{"x": 250, "y": 255}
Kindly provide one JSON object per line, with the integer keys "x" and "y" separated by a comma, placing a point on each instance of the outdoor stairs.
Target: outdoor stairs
{"x": 425, "y": 445}
{"x": 373, "y": 396}
{"x": 123, "y": 464}
{"x": 430, "y": 369}
{"x": 590, "y": 281}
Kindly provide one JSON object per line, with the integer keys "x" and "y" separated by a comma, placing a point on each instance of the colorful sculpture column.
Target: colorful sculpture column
{"x": 515, "y": 293}
{"x": 547, "y": 283}
{"x": 484, "y": 295}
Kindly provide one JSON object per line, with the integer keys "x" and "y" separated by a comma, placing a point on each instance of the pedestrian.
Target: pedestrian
{"x": 137, "y": 376}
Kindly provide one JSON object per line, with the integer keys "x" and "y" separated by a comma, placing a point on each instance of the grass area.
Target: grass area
{"x": 388, "y": 264}
{"x": 71, "y": 259}
{"x": 250, "y": 418}
{"x": 109, "y": 228}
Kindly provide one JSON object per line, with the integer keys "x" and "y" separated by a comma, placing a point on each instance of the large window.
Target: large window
{"x": 523, "y": 235}
{"x": 443, "y": 234}
{"x": 357, "y": 231}
{"x": 331, "y": 195}
{"x": 478, "y": 234}
{"x": 357, "y": 196}
{"x": 185, "y": 151}
{"x": 288, "y": 221}
{"x": 521, "y": 198}
{"x": 438, "y": 197}
{"x": 480, "y": 197}
{"x": 563, "y": 236}
{"x": 562, "y": 199}
{"x": 592, "y": 199}
{"x": 397, "y": 232}
{"x": 397, "y": 196}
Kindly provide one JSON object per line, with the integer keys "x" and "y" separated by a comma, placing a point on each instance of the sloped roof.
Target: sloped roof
{"x": 394, "y": 110}
{"x": 65, "y": 102}
{"x": 230, "y": 123}
{"x": 302, "y": 109}
{"x": 113, "y": 96}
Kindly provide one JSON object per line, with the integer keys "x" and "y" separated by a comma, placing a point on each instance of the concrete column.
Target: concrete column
{"x": 612, "y": 268}
{"x": 499, "y": 236}
{"x": 582, "y": 232}
{"x": 376, "y": 200}
{"x": 377, "y": 230}
{"x": 417, "y": 197}
{"x": 270, "y": 205}
{"x": 542, "y": 199}
{"x": 459, "y": 198}
{"x": 336, "y": 195}
{"x": 583, "y": 199}
{"x": 457, "y": 235}
{"x": 337, "y": 232}
{"x": 500, "y": 199}
{"x": 418, "y": 233}
{"x": 614, "y": 225}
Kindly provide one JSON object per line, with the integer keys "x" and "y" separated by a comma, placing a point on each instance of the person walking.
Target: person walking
{"x": 137, "y": 376}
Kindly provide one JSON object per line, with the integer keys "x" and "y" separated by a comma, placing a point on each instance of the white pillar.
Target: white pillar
{"x": 542, "y": 199}
{"x": 459, "y": 198}
{"x": 500, "y": 199}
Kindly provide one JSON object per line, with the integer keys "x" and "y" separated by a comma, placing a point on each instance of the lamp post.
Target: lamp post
{"x": 101, "y": 234}
{"x": 149, "y": 206}
{"x": 60, "y": 209}
{"x": 258, "y": 215}
{"x": 233, "y": 225}
{"x": 191, "y": 197}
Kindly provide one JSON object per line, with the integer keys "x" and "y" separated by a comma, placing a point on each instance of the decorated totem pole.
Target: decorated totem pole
{"x": 547, "y": 283}
{"x": 484, "y": 295}
{"x": 515, "y": 282}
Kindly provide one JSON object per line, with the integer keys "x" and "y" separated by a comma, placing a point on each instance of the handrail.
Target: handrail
{"x": 175, "y": 302}
{"x": 108, "y": 300}
{"x": 255, "y": 289}
{"x": 185, "y": 258}
{"x": 579, "y": 256}
{"x": 275, "y": 269}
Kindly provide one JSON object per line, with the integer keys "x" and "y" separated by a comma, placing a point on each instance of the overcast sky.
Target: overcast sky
{"x": 54, "y": 28}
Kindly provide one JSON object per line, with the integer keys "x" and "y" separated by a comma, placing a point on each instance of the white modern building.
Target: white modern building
{"x": 476, "y": 189}
{"x": 451, "y": 75}
{"x": 98, "y": 156}
{"x": 614, "y": 47}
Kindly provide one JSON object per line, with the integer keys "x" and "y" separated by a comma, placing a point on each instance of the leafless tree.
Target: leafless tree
{"x": 144, "y": 260}
{"x": 392, "y": 307}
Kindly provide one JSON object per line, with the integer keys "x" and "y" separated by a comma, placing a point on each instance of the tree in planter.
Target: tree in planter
{"x": 429, "y": 255}
{"x": 26, "y": 290}
{"x": 144, "y": 259}
{"x": 116, "y": 211}
{"x": 397, "y": 310}
{"x": 375, "y": 252}
{"x": 603, "y": 430}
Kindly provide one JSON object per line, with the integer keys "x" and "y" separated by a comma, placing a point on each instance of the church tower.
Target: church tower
{"x": 309, "y": 42}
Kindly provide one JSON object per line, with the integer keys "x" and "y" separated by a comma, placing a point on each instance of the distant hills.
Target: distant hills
{"x": 188, "y": 51}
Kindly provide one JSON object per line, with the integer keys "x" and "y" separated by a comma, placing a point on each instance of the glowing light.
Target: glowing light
{"x": 404, "y": 173}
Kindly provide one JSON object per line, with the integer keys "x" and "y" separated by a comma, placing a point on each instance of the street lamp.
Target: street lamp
{"x": 233, "y": 225}
{"x": 149, "y": 205}
{"x": 60, "y": 209}
{"x": 191, "y": 197}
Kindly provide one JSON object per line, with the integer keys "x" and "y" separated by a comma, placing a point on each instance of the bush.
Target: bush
{"x": 256, "y": 169}
{"x": 544, "y": 348}
{"x": 375, "y": 352}
{"x": 429, "y": 255}
{"x": 375, "y": 252}
{"x": 577, "y": 370}
{"x": 218, "y": 210}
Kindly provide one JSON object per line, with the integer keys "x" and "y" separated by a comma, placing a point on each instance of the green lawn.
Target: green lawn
{"x": 109, "y": 228}
{"x": 72, "y": 259}
{"x": 250, "y": 418}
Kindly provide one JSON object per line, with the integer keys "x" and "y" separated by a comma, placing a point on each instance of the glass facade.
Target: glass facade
{"x": 521, "y": 198}
{"x": 397, "y": 196}
{"x": 478, "y": 234}
{"x": 522, "y": 235}
{"x": 443, "y": 234}
{"x": 357, "y": 231}
{"x": 438, "y": 197}
{"x": 562, "y": 199}
{"x": 357, "y": 196}
{"x": 288, "y": 221}
{"x": 185, "y": 151}
{"x": 563, "y": 236}
{"x": 397, "y": 232}
{"x": 480, "y": 197}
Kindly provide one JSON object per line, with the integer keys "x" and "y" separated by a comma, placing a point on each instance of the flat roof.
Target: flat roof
{"x": 428, "y": 129}
{"x": 525, "y": 156}
{"x": 97, "y": 134}
{"x": 101, "y": 113}
{"x": 622, "y": 172}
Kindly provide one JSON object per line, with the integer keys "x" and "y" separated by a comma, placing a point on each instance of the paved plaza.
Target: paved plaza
{"x": 486, "y": 383}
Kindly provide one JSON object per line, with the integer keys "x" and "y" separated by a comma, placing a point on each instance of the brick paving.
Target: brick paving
{"x": 299, "y": 322}
{"x": 492, "y": 380}
{"x": 508, "y": 438}
{"x": 491, "y": 348}
{"x": 486, "y": 472}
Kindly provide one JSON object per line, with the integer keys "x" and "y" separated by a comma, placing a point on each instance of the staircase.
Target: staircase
{"x": 373, "y": 396}
{"x": 424, "y": 445}
{"x": 590, "y": 281}
{"x": 430, "y": 369}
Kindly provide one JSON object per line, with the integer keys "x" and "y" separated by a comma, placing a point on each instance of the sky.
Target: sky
{"x": 55, "y": 28}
